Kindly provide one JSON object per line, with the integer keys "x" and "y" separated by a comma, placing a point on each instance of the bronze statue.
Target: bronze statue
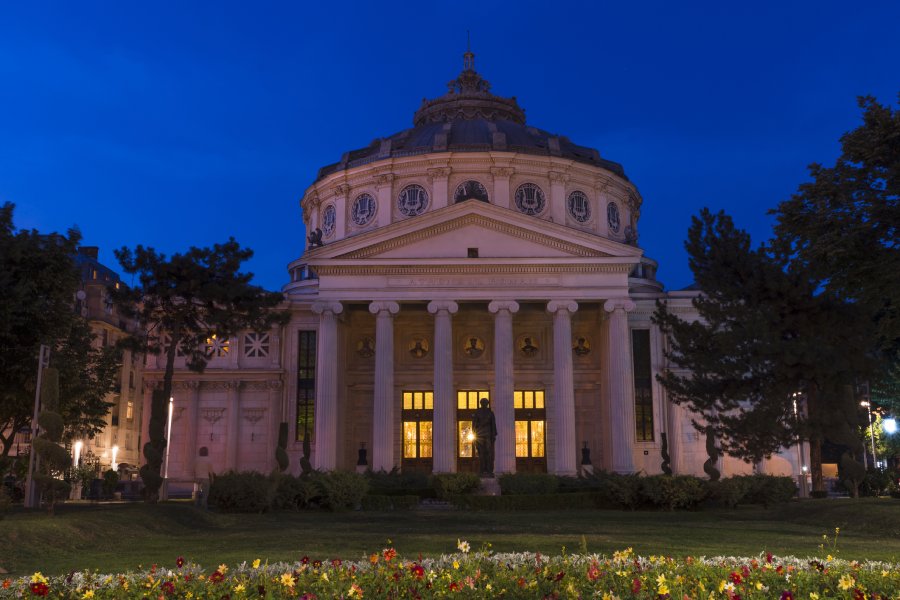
{"x": 485, "y": 427}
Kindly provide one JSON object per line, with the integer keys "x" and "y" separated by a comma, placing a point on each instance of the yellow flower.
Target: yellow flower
{"x": 38, "y": 578}
{"x": 846, "y": 582}
{"x": 189, "y": 595}
{"x": 829, "y": 558}
{"x": 256, "y": 564}
{"x": 324, "y": 576}
{"x": 885, "y": 573}
{"x": 88, "y": 594}
{"x": 759, "y": 585}
{"x": 813, "y": 596}
{"x": 239, "y": 588}
{"x": 125, "y": 585}
{"x": 488, "y": 587}
{"x": 701, "y": 586}
{"x": 455, "y": 564}
{"x": 287, "y": 580}
{"x": 223, "y": 568}
{"x": 663, "y": 589}
{"x": 661, "y": 579}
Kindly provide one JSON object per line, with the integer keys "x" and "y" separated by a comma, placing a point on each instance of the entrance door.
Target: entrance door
{"x": 466, "y": 404}
{"x": 417, "y": 418}
{"x": 531, "y": 418}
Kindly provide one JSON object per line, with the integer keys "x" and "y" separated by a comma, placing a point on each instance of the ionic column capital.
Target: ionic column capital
{"x": 508, "y": 305}
{"x": 613, "y": 304}
{"x": 392, "y": 308}
{"x": 554, "y": 306}
{"x": 323, "y": 307}
{"x": 436, "y": 306}
{"x": 503, "y": 172}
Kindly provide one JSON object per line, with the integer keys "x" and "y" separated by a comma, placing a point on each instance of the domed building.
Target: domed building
{"x": 473, "y": 256}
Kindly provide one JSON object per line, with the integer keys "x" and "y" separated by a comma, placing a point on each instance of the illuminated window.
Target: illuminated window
{"x": 530, "y": 422}
{"x": 418, "y": 407}
{"x": 216, "y": 346}
{"x": 466, "y": 439}
{"x": 256, "y": 345}
{"x": 643, "y": 388}
{"x": 306, "y": 385}
{"x": 528, "y": 399}
{"x": 469, "y": 399}
{"x": 129, "y": 410}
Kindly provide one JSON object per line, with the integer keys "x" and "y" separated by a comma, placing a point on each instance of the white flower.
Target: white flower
{"x": 463, "y": 546}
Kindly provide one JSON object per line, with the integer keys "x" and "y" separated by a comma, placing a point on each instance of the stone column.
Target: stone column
{"x": 565, "y": 444}
{"x": 232, "y": 442}
{"x": 193, "y": 420}
{"x": 444, "y": 428}
{"x": 501, "y": 195}
{"x": 504, "y": 385}
{"x": 326, "y": 385}
{"x": 558, "y": 196}
{"x": 342, "y": 208}
{"x": 385, "y": 187}
{"x": 439, "y": 179}
{"x": 620, "y": 373}
{"x": 383, "y": 407}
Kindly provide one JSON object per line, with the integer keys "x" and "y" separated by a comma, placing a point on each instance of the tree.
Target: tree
{"x": 763, "y": 336}
{"x": 183, "y": 302}
{"x": 38, "y": 281}
{"x": 54, "y": 458}
{"x": 843, "y": 227}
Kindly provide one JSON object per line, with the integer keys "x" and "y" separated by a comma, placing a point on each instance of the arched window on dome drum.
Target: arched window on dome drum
{"x": 530, "y": 199}
{"x": 579, "y": 206}
{"x": 470, "y": 190}
{"x": 329, "y": 218}
{"x": 612, "y": 217}
{"x": 364, "y": 209}
{"x": 413, "y": 200}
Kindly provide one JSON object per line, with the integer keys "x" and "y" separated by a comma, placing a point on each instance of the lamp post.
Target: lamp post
{"x": 868, "y": 406}
{"x": 804, "y": 469}
{"x": 165, "y": 485}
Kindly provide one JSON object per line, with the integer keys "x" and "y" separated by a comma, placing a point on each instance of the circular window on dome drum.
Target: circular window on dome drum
{"x": 470, "y": 190}
{"x": 612, "y": 216}
{"x": 579, "y": 207}
{"x": 530, "y": 199}
{"x": 329, "y": 216}
{"x": 364, "y": 208}
{"x": 413, "y": 200}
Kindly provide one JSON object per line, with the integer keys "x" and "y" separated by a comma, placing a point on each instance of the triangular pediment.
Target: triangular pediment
{"x": 449, "y": 233}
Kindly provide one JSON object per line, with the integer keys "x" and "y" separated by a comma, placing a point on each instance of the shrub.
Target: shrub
{"x": 770, "y": 489}
{"x": 731, "y": 491}
{"x": 341, "y": 490}
{"x": 452, "y": 484}
{"x": 621, "y": 490}
{"x": 293, "y": 493}
{"x": 5, "y": 502}
{"x": 572, "y": 501}
{"x": 395, "y": 483}
{"x": 668, "y": 492}
{"x": 245, "y": 492}
{"x": 110, "y": 481}
{"x": 383, "y": 502}
{"x": 528, "y": 483}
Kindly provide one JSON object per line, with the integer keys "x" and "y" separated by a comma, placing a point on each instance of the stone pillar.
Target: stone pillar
{"x": 620, "y": 373}
{"x": 444, "y": 428}
{"x": 504, "y": 385}
{"x": 565, "y": 444}
{"x": 439, "y": 179}
{"x": 384, "y": 185}
{"x": 501, "y": 195}
{"x": 342, "y": 208}
{"x": 232, "y": 442}
{"x": 558, "y": 196}
{"x": 193, "y": 420}
{"x": 326, "y": 386}
{"x": 382, "y": 458}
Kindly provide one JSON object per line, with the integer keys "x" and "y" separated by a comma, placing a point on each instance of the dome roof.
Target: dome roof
{"x": 469, "y": 118}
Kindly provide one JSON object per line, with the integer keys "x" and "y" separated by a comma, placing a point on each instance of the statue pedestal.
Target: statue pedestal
{"x": 488, "y": 486}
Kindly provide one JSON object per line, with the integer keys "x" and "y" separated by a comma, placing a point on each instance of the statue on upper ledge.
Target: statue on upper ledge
{"x": 315, "y": 239}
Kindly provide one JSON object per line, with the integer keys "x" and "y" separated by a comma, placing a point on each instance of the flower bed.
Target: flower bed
{"x": 485, "y": 574}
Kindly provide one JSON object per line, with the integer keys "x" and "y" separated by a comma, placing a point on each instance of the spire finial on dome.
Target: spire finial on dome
{"x": 468, "y": 57}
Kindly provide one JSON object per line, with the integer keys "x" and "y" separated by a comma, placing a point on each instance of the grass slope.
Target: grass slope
{"x": 123, "y": 536}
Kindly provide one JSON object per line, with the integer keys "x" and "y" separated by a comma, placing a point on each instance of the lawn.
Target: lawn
{"x": 117, "y": 537}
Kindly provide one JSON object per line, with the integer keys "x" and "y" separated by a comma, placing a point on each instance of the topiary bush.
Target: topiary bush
{"x": 731, "y": 491}
{"x": 293, "y": 493}
{"x": 241, "y": 492}
{"x": 769, "y": 490}
{"x": 453, "y": 484}
{"x": 528, "y": 483}
{"x": 341, "y": 490}
{"x": 673, "y": 492}
{"x": 621, "y": 490}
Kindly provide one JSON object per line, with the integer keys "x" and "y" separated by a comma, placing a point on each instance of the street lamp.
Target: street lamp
{"x": 868, "y": 406}
{"x": 804, "y": 469}
{"x": 889, "y": 426}
{"x": 168, "y": 445}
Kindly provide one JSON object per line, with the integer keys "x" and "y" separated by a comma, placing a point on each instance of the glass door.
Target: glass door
{"x": 417, "y": 419}
{"x": 531, "y": 419}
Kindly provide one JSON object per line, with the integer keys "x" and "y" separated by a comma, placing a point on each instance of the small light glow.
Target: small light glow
{"x": 864, "y": 403}
{"x": 471, "y": 437}
{"x": 804, "y": 468}
{"x": 115, "y": 454}
{"x": 889, "y": 425}
{"x": 77, "y": 452}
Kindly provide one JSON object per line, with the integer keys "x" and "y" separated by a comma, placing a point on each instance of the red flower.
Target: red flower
{"x": 417, "y": 571}
{"x": 168, "y": 588}
{"x": 787, "y": 595}
{"x": 308, "y": 596}
{"x": 389, "y": 553}
{"x": 635, "y": 586}
{"x": 40, "y": 589}
{"x": 593, "y": 572}
{"x": 745, "y": 571}
{"x": 779, "y": 569}
{"x": 179, "y": 562}
{"x": 216, "y": 577}
{"x": 317, "y": 564}
{"x": 858, "y": 594}
{"x": 559, "y": 576}
{"x": 735, "y": 578}
{"x": 304, "y": 560}
{"x": 520, "y": 582}
{"x": 397, "y": 576}
{"x": 335, "y": 562}
{"x": 769, "y": 557}
{"x": 454, "y": 586}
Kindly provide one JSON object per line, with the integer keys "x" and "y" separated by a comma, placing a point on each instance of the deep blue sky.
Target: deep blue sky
{"x": 175, "y": 124}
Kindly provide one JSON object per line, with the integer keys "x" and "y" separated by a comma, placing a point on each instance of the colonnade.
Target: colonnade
{"x": 561, "y": 407}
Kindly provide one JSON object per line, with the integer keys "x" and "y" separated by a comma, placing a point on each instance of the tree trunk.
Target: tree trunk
{"x": 813, "y": 411}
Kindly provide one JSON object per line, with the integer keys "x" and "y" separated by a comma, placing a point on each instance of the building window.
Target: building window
{"x": 579, "y": 207}
{"x": 612, "y": 216}
{"x": 329, "y": 218}
{"x": 129, "y": 410}
{"x": 530, "y": 199}
{"x": 643, "y": 389}
{"x": 530, "y": 414}
{"x": 364, "y": 208}
{"x": 467, "y": 402}
{"x": 470, "y": 190}
{"x": 418, "y": 411}
{"x": 217, "y": 347}
{"x": 256, "y": 345}
{"x": 413, "y": 200}
{"x": 306, "y": 385}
